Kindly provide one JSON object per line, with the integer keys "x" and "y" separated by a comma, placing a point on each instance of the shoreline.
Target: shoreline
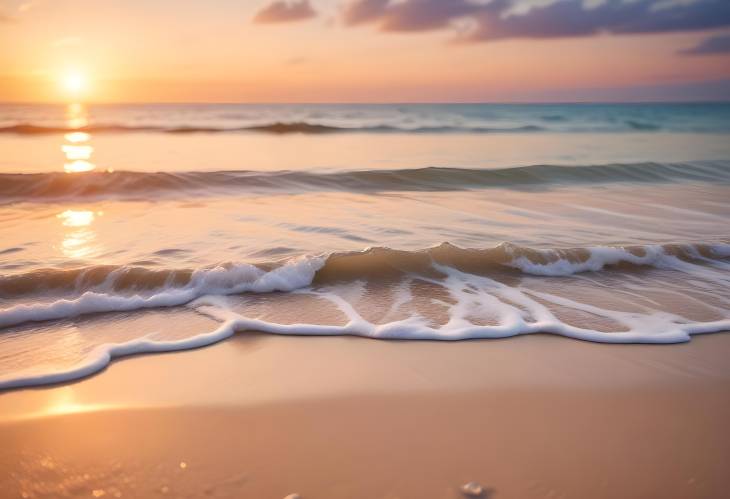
{"x": 540, "y": 360}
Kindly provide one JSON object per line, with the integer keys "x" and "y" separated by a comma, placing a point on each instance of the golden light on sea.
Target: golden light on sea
{"x": 77, "y": 149}
{"x": 74, "y": 151}
{"x": 76, "y": 137}
{"x": 77, "y": 218}
{"x": 78, "y": 166}
{"x": 77, "y": 117}
{"x": 79, "y": 238}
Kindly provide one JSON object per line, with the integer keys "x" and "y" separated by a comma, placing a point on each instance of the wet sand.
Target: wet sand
{"x": 264, "y": 416}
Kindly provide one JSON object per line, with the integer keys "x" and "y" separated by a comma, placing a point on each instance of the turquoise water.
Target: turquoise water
{"x": 485, "y": 118}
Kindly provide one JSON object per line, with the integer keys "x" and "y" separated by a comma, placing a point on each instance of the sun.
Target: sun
{"x": 74, "y": 82}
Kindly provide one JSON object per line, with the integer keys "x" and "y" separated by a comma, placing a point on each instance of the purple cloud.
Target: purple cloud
{"x": 501, "y": 19}
{"x": 284, "y": 11}
{"x": 409, "y": 15}
{"x": 364, "y": 11}
{"x": 719, "y": 44}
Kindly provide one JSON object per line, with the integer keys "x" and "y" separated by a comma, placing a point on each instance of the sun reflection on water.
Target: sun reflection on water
{"x": 79, "y": 241}
{"x": 76, "y": 137}
{"x": 76, "y": 116}
{"x": 78, "y": 166}
{"x": 77, "y": 149}
{"x": 73, "y": 218}
{"x": 74, "y": 151}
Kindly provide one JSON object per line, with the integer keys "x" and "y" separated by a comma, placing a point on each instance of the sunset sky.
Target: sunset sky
{"x": 364, "y": 50}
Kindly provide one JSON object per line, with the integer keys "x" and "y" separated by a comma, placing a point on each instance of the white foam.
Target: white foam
{"x": 299, "y": 273}
{"x": 101, "y": 356}
{"x": 514, "y": 310}
{"x": 599, "y": 257}
{"x": 517, "y": 310}
{"x": 603, "y": 256}
{"x": 219, "y": 280}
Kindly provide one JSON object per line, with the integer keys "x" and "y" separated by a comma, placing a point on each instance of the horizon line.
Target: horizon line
{"x": 373, "y": 103}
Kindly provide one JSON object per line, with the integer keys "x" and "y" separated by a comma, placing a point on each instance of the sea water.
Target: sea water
{"x": 148, "y": 228}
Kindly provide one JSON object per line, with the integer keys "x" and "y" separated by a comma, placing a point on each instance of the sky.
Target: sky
{"x": 364, "y": 50}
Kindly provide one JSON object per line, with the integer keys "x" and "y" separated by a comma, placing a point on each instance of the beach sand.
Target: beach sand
{"x": 264, "y": 416}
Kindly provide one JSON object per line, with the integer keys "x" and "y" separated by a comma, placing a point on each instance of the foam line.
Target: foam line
{"x": 648, "y": 328}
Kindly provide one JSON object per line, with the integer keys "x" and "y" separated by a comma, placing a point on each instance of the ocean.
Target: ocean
{"x": 131, "y": 229}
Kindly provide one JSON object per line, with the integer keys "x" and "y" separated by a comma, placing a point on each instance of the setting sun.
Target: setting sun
{"x": 74, "y": 82}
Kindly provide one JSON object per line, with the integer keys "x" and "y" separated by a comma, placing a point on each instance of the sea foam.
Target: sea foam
{"x": 104, "y": 295}
{"x": 514, "y": 308}
{"x": 518, "y": 311}
{"x": 218, "y": 280}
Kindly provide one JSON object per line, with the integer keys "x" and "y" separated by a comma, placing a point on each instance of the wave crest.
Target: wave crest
{"x": 476, "y": 281}
{"x": 140, "y": 185}
{"x": 114, "y": 288}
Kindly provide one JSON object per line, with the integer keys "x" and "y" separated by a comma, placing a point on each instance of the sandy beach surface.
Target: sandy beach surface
{"x": 266, "y": 416}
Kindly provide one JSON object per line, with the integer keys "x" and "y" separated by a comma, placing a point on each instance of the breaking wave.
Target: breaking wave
{"x": 474, "y": 279}
{"x": 108, "y": 288}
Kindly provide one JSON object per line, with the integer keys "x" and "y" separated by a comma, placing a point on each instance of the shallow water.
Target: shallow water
{"x": 416, "y": 222}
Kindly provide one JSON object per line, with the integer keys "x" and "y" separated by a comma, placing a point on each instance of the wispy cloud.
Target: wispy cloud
{"x": 295, "y": 61}
{"x": 502, "y": 19}
{"x": 26, "y": 6}
{"x": 282, "y": 11}
{"x": 13, "y": 11}
{"x": 719, "y": 44}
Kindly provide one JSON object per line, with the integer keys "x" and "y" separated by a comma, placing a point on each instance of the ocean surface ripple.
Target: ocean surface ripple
{"x": 142, "y": 185}
{"x": 131, "y": 229}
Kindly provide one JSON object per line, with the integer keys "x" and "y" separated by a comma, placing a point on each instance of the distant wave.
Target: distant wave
{"x": 274, "y": 128}
{"x": 641, "y": 125}
{"x": 551, "y": 124}
{"x": 141, "y": 185}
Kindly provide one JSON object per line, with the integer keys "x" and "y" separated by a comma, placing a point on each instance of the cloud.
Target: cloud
{"x": 284, "y": 11}
{"x": 408, "y": 15}
{"x": 295, "y": 61}
{"x": 17, "y": 10}
{"x": 569, "y": 18}
{"x": 26, "y": 6}
{"x": 719, "y": 44}
{"x": 501, "y": 19}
